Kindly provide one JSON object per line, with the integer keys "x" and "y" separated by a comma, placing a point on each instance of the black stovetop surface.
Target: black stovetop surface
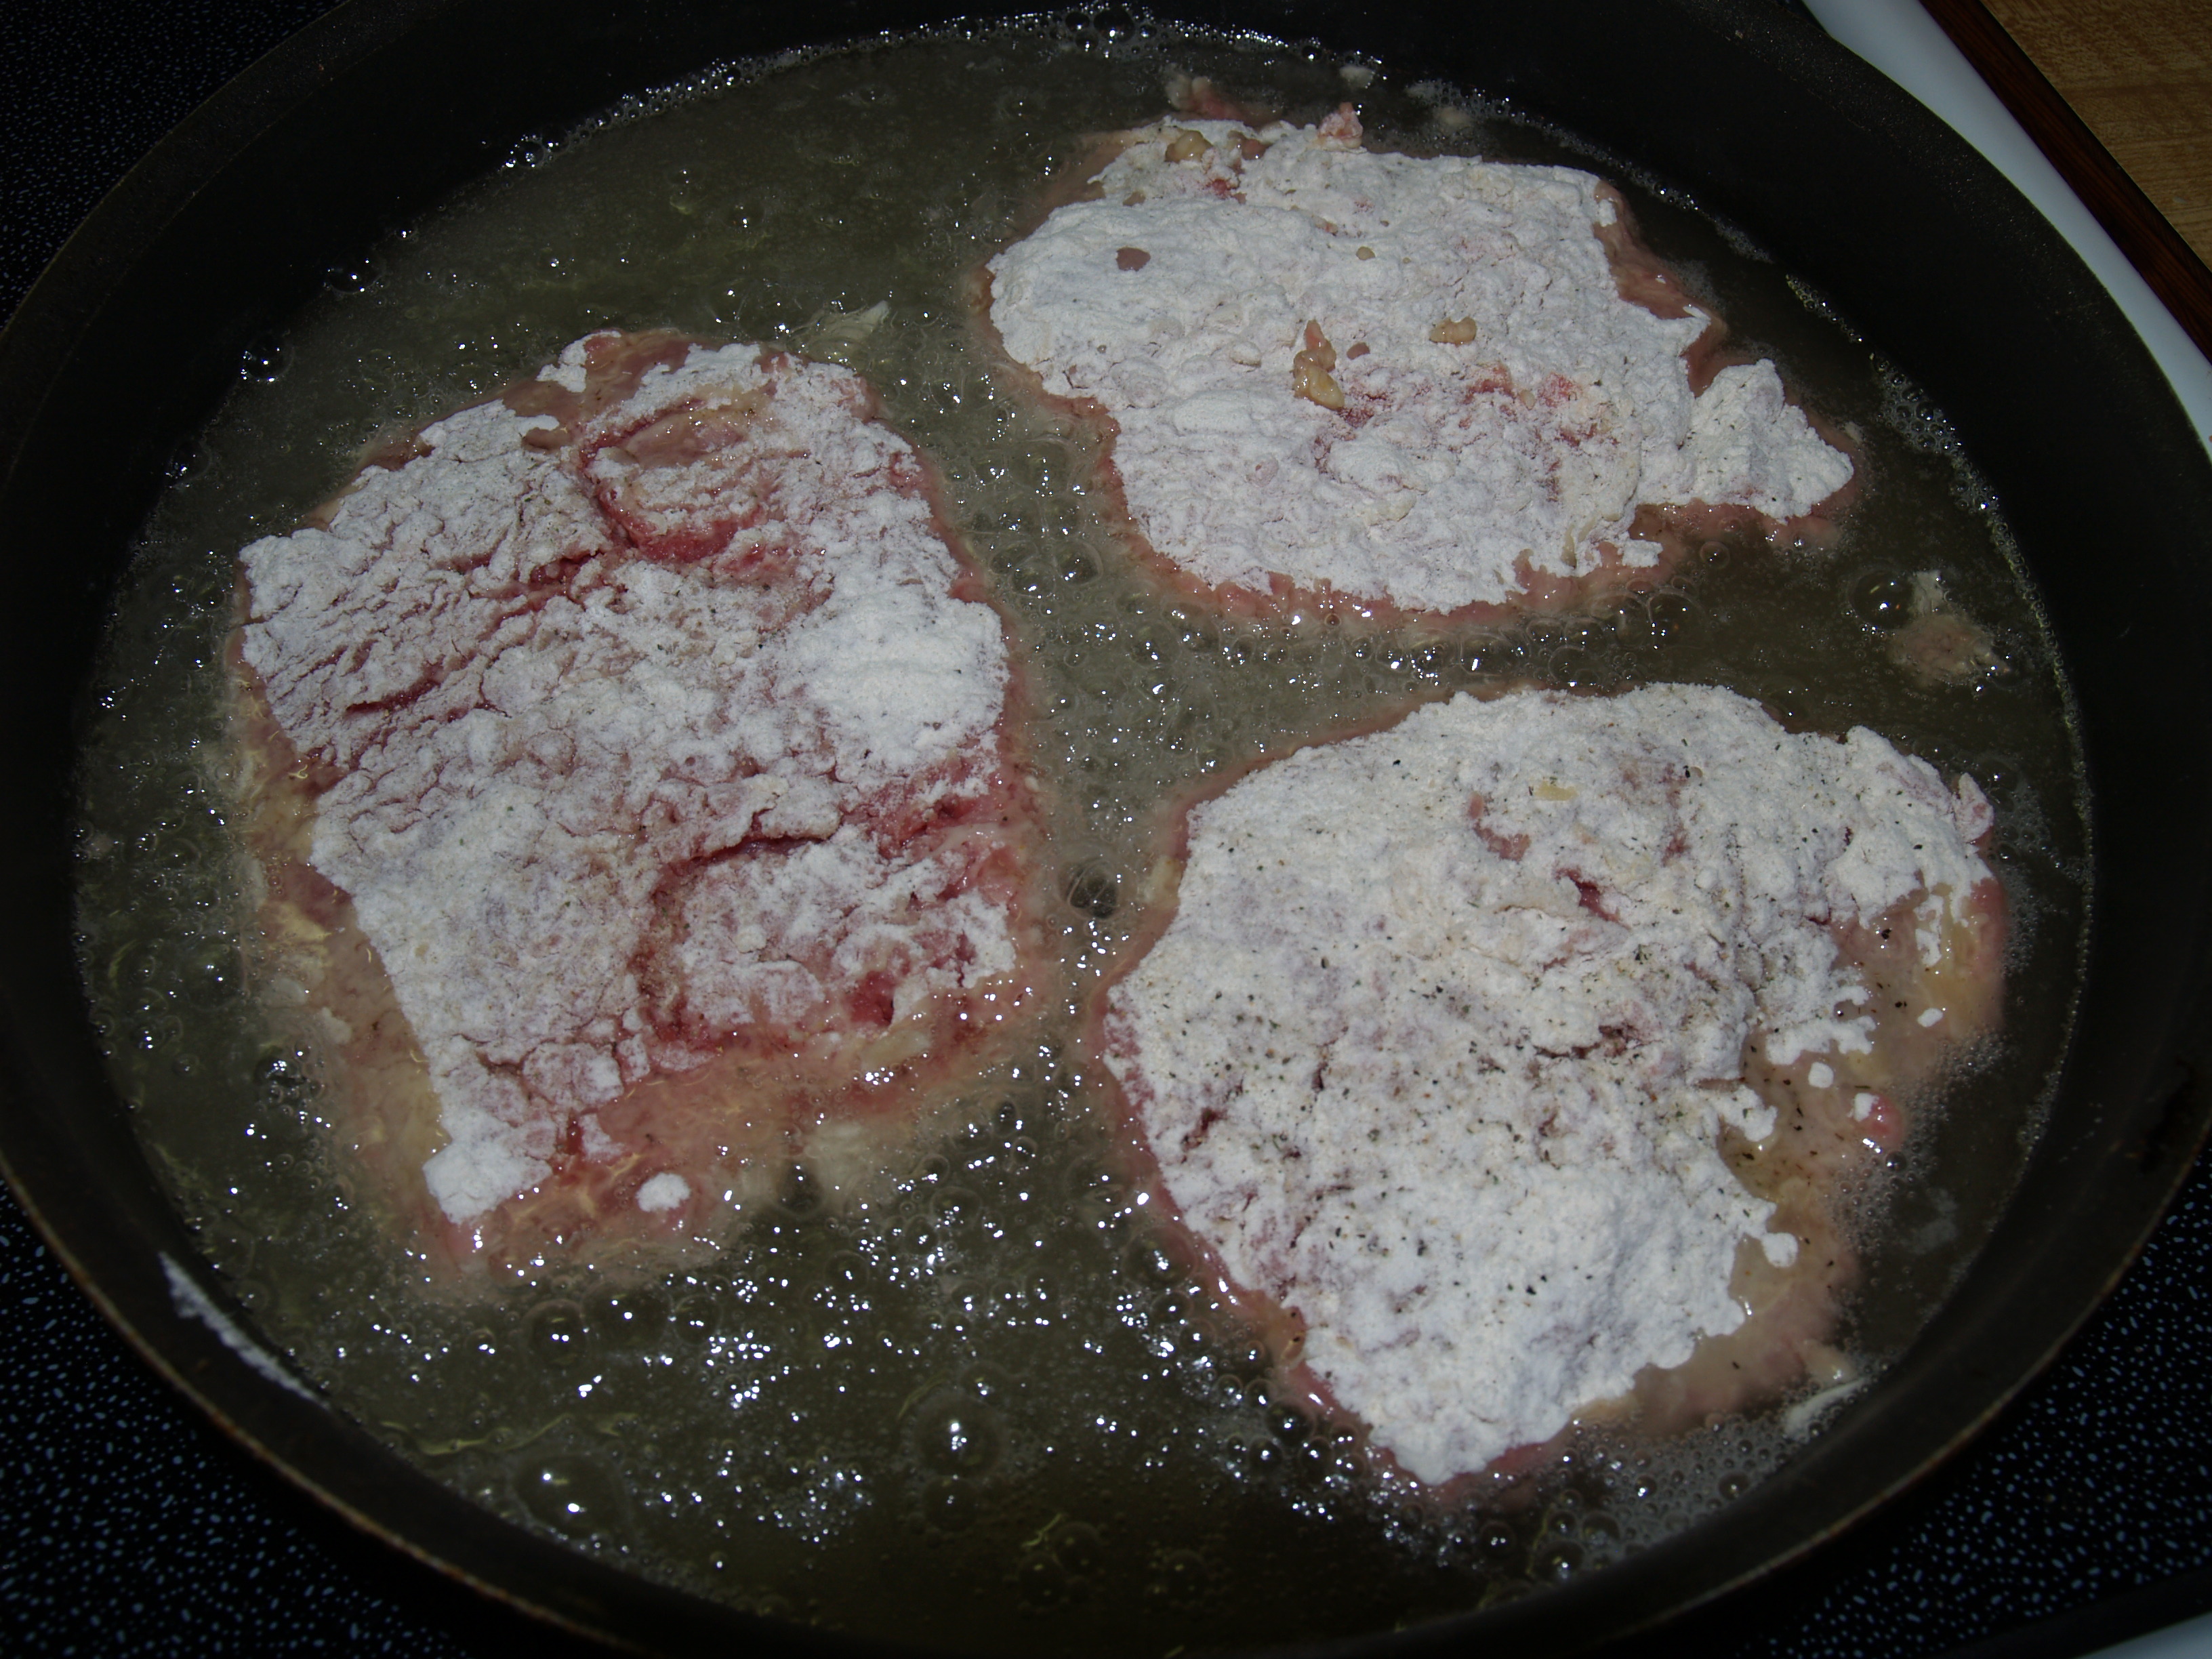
{"x": 2081, "y": 1517}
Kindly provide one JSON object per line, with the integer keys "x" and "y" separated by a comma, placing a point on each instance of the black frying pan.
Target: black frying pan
{"x": 381, "y": 109}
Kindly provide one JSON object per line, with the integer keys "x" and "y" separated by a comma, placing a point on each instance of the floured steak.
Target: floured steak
{"x": 649, "y": 732}
{"x": 1514, "y": 1049}
{"x": 1392, "y": 384}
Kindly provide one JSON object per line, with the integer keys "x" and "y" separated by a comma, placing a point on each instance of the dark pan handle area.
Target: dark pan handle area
{"x": 386, "y": 106}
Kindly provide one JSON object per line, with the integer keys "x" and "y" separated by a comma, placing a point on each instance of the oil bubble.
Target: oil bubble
{"x": 695, "y": 1317}
{"x": 1042, "y": 1582}
{"x": 959, "y": 1436}
{"x": 1558, "y": 1562}
{"x": 557, "y": 1333}
{"x": 188, "y": 461}
{"x": 1669, "y": 612}
{"x": 1319, "y": 1457}
{"x": 967, "y": 1302}
{"x": 1105, "y": 1209}
{"x": 1149, "y": 1261}
{"x": 1196, "y": 633}
{"x": 1091, "y": 1176}
{"x": 1080, "y": 1548}
{"x": 263, "y": 360}
{"x": 355, "y": 275}
{"x": 783, "y": 1474}
{"x": 987, "y": 1384}
{"x": 634, "y": 1318}
{"x": 955, "y": 1203}
{"x": 1571, "y": 666}
{"x": 1482, "y": 656}
{"x": 572, "y": 1495}
{"x": 949, "y": 1505}
{"x": 208, "y": 970}
{"x": 1882, "y": 600}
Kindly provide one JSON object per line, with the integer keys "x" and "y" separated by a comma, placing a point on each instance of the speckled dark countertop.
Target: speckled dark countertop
{"x": 2081, "y": 1518}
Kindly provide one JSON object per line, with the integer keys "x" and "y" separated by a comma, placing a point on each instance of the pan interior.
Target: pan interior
{"x": 974, "y": 1402}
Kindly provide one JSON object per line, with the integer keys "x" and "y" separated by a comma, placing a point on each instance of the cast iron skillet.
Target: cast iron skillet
{"x": 387, "y": 105}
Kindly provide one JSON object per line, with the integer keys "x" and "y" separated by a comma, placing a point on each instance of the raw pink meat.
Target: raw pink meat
{"x": 1498, "y": 1062}
{"x": 653, "y": 731}
{"x": 1396, "y": 389}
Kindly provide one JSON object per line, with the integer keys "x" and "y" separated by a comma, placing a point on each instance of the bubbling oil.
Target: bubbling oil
{"x": 982, "y": 1405}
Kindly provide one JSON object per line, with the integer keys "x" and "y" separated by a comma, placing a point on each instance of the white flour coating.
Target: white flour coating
{"x": 1453, "y": 470}
{"x": 609, "y": 790}
{"x": 1438, "y": 1048}
{"x": 665, "y": 1191}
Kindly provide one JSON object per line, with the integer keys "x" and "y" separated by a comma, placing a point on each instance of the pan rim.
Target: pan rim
{"x": 152, "y": 189}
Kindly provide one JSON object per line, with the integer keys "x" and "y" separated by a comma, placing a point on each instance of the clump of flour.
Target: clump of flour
{"x": 1402, "y": 380}
{"x": 651, "y": 724}
{"x": 1438, "y": 1048}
